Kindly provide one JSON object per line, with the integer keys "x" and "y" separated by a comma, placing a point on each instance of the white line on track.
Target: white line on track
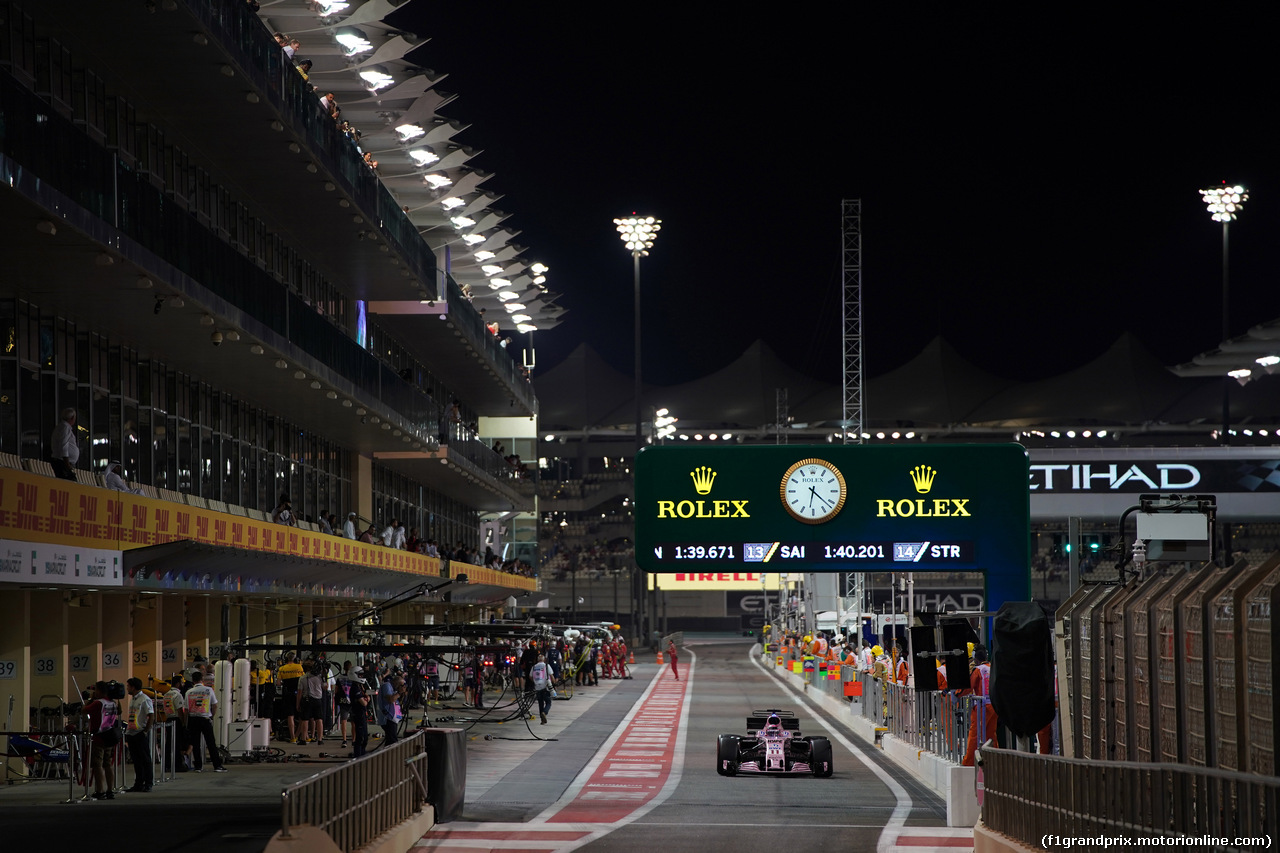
{"x": 898, "y": 819}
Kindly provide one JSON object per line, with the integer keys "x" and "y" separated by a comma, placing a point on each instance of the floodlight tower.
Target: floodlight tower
{"x": 1224, "y": 203}
{"x": 638, "y": 234}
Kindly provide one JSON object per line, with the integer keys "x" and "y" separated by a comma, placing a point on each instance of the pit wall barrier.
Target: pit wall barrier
{"x": 864, "y": 715}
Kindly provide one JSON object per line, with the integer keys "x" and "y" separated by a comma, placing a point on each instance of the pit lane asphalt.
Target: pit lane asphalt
{"x": 708, "y": 813}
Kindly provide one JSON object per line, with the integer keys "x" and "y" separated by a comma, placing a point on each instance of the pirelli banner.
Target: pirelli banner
{"x": 44, "y": 509}
{"x": 719, "y": 581}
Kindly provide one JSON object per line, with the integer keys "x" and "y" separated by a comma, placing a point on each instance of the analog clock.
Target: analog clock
{"x": 813, "y": 491}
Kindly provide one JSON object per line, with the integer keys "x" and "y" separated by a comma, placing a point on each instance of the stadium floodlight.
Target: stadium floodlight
{"x": 1269, "y": 362}
{"x": 411, "y": 131}
{"x": 421, "y": 156}
{"x": 473, "y": 239}
{"x": 437, "y": 181}
{"x": 638, "y": 233}
{"x": 1242, "y": 375}
{"x": 452, "y": 202}
{"x": 1224, "y": 202}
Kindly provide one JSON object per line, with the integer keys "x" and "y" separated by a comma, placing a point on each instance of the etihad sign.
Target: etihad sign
{"x": 922, "y": 477}
{"x": 1082, "y": 477}
{"x": 703, "y": 479}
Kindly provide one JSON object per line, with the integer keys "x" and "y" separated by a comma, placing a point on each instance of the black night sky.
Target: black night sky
{"x": 1028, "y": 178}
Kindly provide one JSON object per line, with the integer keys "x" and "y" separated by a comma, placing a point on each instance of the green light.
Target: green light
{"x": 1067, "y": 547}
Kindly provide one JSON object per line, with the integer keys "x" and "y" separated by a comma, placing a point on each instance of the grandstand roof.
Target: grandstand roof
{"x": 1126, "y": 386}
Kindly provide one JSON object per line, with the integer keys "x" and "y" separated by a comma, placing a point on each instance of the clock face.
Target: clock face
{"x": 813, "y": 491}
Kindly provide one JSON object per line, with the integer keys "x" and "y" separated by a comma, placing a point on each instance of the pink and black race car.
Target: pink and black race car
{"x": 773, "y": 745}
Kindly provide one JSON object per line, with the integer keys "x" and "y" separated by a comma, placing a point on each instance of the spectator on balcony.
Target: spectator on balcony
{"x": 283, "y": 513}
{"x": 291, "y": 48}
{"x": 370, "y": 162}
{"x": 65, "y": 447}
{"x": 349, "y": 529}
{"x": 393, "y": 536}
{"x": 433, "y": 550}
{"x": 413, "y": 543}
{"x": 329, "y": 105}
{"x": 115, "y": 480}
{"x": 325, "y": 527}
{"x": 370, "y": 535}
{"x": 281, "y": 39}
{"x": 304, "y": 68}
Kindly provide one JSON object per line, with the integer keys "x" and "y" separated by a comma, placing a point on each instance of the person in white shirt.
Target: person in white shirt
{"x": 138, "y": 737}
{"x": 115, "y": 480}
{"x": 541, "y": 679}
{"x": 349, "y": 529}
{"x": 393, "y": 536}
{"x": 65, "y": 450}
{"x": 201, "y": 701}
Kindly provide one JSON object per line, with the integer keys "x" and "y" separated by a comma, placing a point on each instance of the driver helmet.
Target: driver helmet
{"x": 774, "y": 720}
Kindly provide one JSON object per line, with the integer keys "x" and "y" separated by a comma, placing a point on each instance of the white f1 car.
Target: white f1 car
{"x": 773, "y": 745}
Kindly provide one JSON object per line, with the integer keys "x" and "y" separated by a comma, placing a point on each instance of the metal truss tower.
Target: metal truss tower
{"x": 851, "y": 383}
{"x": 782, "y": 416}
{"x": 851, "y": 312}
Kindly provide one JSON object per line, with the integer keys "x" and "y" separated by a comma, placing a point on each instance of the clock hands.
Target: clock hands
{"x": 814, "y": 493}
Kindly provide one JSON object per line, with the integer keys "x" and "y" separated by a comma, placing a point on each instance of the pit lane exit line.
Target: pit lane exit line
{"x": 634, "y": 771}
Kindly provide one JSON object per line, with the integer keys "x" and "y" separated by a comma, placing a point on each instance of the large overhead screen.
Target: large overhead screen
{"x": 837, "y": 508}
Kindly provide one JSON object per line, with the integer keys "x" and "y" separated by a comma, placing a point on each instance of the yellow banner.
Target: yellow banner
{"x": 43, "y": 509}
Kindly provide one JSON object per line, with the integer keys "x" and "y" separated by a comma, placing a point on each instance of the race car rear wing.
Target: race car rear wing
{"x": 758, "y": 718}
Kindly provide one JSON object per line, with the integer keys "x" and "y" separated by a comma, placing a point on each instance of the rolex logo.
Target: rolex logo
{"x": 922, "y": 476}
{"x": 702, "y": 479}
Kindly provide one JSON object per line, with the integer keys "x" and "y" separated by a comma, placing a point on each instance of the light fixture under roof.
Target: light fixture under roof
{"x": 376, "y": 79}
{"x": 281, "y": 363}
{"x": 353, "y": 42}
{"x": 491, "y": 269}
{"x": 452, "y": 202}
{"x": 484, "y": 255}
{"x": 257, "y": 349}
{"x": 513, "y": 307}
{"x": 409, "y": 131}
{"x": 508, "y": 295}
{"x": 498, "y": 283}
{"x": 539, "y": 268}
{"x": 465, "y": 222}
{"x": 527, "y": 327}
{"x": 520, "y": 318}
{"x": 325, "y": 8}
{"x": 420, "y": 156}
{"x": 436, "y": 181}
{"x": 473, "y": 239}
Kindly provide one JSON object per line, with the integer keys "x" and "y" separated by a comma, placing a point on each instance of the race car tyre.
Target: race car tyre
{"x": 820, "y": 757}
{"x": 727, "y": 755}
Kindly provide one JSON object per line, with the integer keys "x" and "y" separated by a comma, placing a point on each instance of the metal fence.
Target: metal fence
{"x": 1032, "y": 796}
{"x": 358, "y": 801}
{"x": 936, "y": 721}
